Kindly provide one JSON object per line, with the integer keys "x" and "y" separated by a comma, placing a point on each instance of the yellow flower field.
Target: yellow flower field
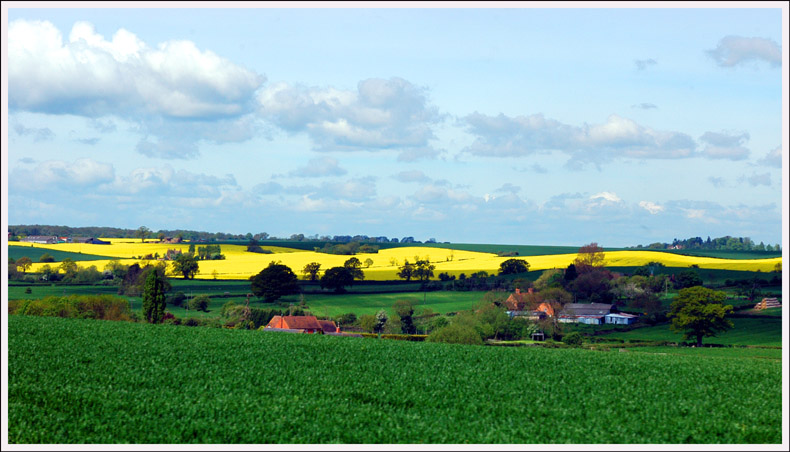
{"x": 239, "y": 264}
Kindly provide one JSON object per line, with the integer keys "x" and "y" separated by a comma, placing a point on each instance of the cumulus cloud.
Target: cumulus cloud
{"x": 651, "y": 207}
{"x": 772, "y": 158}
{"x": 319, "y": 167}
{"x": 91, "y": 76}
{"x": 725, "y": 146}
{"x": 618, "y": 137}
{"x": 734, "y": 50}
{"x": 380, "y": 114}
{"x": 644, "y": 64}
{"x": 173, "y": 86}
{"x": 38, "y": 134}
{"x": 607, "y": 196}
{"x": 61, "y": 175}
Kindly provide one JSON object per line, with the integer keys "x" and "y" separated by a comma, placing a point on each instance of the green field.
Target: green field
{"x": 720, "y": 352}
{"x": 728, "y": 254}
{"x": 16, "y": 252}
{"x": 757, "y": 331}
{"x": 89, "y": 381}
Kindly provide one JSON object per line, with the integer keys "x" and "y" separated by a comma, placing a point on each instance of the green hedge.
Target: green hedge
{"x": 103, "y": 307}
{"x": 397, "y": 337}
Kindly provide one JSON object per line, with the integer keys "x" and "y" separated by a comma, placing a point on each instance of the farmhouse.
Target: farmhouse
{"x": 89, "y": 240}
{"x": 518, "y": 302}
{"x": 620, "y": 318}
{"x": 589, "y": 313}
{"x": 304, "y": 323}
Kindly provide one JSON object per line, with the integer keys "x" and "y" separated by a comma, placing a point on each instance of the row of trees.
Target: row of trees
{"x": 720, "y": 243}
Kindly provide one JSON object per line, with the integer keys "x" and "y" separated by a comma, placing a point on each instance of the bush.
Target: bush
{"x": 199, "y": 303}
{"x": 104, "y": 307}
{"x": 456, "y": 334}
{"x": 574, "y": 339}
{"x": 176, "y": 299}
{"x": 191, "y": 322}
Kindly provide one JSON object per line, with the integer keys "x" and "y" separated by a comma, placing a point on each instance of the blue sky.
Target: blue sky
{"x": 556, "y": 126}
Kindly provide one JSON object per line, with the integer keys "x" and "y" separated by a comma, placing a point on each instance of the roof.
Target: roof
{"x": 586, "y": 309}
{"x": 328, "y": 326}
{"x": 623, "y": 315}
{"x": 283, "y": 330}
{"x": 299, "y": 322}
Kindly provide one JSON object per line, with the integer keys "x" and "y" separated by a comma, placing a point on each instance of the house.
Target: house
{"x": 304, "y": 323}
{"x": 42, "y": 239}
{"x": 518, "y": 301}
{"x": 589, "y": 313}
{"x": 89, "y": 241}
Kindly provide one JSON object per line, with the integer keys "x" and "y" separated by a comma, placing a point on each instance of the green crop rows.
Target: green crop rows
{"x": 90, "y": 381}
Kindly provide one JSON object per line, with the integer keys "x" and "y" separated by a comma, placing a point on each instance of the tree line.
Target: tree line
{"x": 727, "y": 242}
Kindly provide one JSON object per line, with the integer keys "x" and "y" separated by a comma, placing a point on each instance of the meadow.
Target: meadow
{"x": 747, "y": 331}
{"x": 87, "y": 381}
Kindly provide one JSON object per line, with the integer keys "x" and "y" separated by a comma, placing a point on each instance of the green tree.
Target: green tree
{"x": 367, "y": 322}
{"x": 337, "y": 278}
{"x": 311, "y": 270}
{"x": 368, "y": 262}
{"x": 423, "y": 270}
{"x": 185, "y": 264}
{"x": 406, "y": 271}
{"x": 699, "y": 312}
{"x": 355, "y": 267}
{"x": 405, "y": 310}
{"x": 199, "y": 303}
{"x": 273, "y": 282}
{"x": 154, "y": 298}
{"x": 69, "y": 268}
{"x": 549, "y": 278}
{"x": 24, "y": 263}
{"x": 46, "y": 257}
{"x": 161, "y": 236}
{"x": 688, "y": 278}
{"x": 513, "y": 266}
{"x": 573, "y": 339}
{"x": 143, "y": 233}
{"x": 456, "y": 333}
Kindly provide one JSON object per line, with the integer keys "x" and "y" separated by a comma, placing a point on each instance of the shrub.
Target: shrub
{"x": 176, "y": 299}
{"x": 199, "y": 303}
{"x": 104, "y": 307}
{"x": 574, "y": 339}
{"x": 191, "y": 322}
{"x": 456, "y": 334}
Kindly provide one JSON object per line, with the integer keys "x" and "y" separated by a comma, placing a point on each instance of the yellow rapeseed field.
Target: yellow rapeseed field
{"x": 240, "y": 264}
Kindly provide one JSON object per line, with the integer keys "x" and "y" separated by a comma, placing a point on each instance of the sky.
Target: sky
{"x": 517, "y": 125}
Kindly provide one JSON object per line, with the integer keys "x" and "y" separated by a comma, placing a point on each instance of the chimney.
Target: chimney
{"x": 529, "y": 290}
{"x": 518, "y": 291}
{"x": 337, "y": 329}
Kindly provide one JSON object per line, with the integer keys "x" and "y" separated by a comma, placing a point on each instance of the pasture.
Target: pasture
{"x": 86, "y": 381}
{"x": 747, "y": 331}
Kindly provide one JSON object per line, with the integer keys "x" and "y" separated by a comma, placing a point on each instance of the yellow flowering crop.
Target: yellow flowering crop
{"x": 240, "y": 264}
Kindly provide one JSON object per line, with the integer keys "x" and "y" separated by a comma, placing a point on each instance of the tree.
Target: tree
{"x": 337, "y": 278}
{"x": 69, "y": 267}
{"x": 423, "y": 270}
{"x": 46, "y": 257}
{"x": 406, "y": 271}
{"x": 405, "y": 310}
{"x": 355, "y": 267}
{"x": 186, "y": 264}
{"x": 699, "y": 312}
{"x": 154, "y": 298}
{"x": 142, "y": 232}
{"x": 513, "y": 266}
{"x": 310, "y": 271}
{"x": 273, "y": 282}
{"x": 549, "y": 278}
{"x": 570, "y": 273}
{"x": 199, "y": 303}
{"x": 688, "y": 278}
{"x": 589, "y": 258}
{"x": 381, "y": 320}
{"x": 161, "y": 236}
{"x": 25, "y": 263}
{"x": 368, "y": 262}
{"x": 456, "y": 333}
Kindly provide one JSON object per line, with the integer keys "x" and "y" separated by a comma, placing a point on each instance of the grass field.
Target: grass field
{"x": 34, "y": 253}
{"x": 758, "y": 331}
{"x": 87, "y": 381}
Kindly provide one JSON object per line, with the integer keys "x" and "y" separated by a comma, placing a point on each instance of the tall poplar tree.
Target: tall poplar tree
{"x": 154, "y": 297}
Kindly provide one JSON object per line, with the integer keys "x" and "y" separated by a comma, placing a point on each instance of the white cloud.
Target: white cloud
{"x": 91, "y": 76}
{"x": 734, "y": 50}
{"x": 651, "y": 207}
{"x": 57, "y": 175}
{"x": 607, "y": 196}
{"x": 618, "y": 137}
{"x": 380, "y": 114}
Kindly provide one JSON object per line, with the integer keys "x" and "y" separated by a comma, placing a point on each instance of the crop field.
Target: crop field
{"x": 88, "y": 381}
{"x": 756, "y": 331}
{"x": 240, "y": 264}
{"x": 719, "y": 352}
